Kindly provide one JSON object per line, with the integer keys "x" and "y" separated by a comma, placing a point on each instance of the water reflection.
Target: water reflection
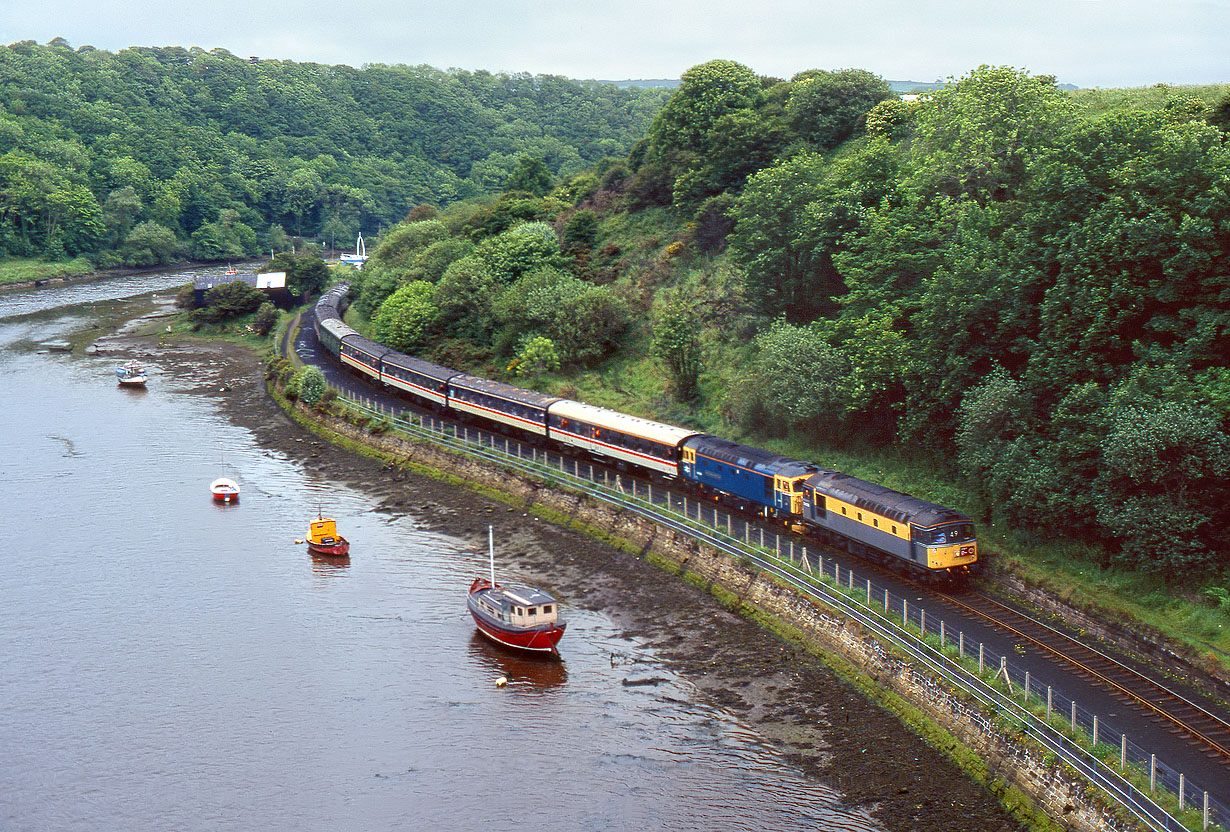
{"x": 524, "y": 671}
{"x": 327, "y": 564}
{"x": 229, "y": 612}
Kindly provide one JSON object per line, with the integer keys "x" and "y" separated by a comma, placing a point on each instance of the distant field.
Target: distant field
{"x": 1098, "y": 101}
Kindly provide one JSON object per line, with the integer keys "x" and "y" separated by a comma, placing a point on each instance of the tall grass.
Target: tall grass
{"x": 1095, "y": 102}
{"x": 23, "y": 270}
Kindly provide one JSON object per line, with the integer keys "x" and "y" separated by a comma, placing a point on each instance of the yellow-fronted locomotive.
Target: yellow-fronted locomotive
{"x": 861, "y": 517}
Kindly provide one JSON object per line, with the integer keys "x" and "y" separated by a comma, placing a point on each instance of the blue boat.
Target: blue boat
{"x": 131, "y": 374}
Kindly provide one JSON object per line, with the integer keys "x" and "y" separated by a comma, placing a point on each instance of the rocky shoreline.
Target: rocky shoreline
{"x": 826, "y": 727}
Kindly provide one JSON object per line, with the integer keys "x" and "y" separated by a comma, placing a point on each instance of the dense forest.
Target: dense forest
{"x": 151, "y": 154}
{"x": 1029, "y": 286}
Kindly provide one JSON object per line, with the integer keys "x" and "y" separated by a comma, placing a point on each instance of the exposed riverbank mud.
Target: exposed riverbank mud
{"x": 826, "y": 727}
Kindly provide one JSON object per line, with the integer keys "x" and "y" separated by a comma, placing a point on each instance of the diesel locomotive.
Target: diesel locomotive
{"x": 863, "y": 518}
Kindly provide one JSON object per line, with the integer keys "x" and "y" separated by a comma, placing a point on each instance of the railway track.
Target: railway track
{"x": 1183, "y": 716}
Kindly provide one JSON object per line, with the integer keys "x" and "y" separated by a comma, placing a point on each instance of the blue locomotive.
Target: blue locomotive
{"x": 861, "y": 517}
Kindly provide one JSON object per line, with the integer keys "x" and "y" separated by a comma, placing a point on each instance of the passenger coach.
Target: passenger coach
{"x": 861, "y": 517}
{"x": 363, "y": 354}
{"x": 615, "y": 435}
{"x": 495, "y": 401}
{"x": 417, "y": 377}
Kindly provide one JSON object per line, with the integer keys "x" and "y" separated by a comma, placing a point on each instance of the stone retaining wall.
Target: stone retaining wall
{"x": 1009, "y": 763}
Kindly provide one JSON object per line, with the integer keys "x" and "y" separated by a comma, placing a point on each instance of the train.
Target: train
{"x": 926, "y": 540}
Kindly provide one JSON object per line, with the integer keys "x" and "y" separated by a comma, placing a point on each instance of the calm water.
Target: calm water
{"x": 173, "y": 664}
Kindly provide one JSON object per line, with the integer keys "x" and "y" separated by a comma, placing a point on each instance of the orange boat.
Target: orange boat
{"x": 323, "y": 539}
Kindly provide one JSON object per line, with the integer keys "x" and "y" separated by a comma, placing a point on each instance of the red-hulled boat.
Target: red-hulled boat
{"x": 225, "y": 490}
{"x": 323, "y": 539}
{"x": 515, "y": 616}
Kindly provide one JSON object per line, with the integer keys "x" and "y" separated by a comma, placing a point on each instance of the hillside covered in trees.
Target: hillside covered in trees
{"x": 152, "y": 153}
{"x": 1029, "y": 286}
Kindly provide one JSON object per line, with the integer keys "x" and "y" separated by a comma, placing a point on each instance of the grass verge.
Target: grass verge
{"x": 25, "y": 270}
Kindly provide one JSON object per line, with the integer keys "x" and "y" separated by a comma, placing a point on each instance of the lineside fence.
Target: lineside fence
{"x": 1160, "y": 797}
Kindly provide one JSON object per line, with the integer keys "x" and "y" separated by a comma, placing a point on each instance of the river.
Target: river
{"x": 169, "y": 663}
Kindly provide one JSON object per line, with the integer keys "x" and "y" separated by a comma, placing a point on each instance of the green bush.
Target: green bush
{"x": 311, "y": 384}
{"x": 266, "y": 318}
{"x": 230, "y": 300}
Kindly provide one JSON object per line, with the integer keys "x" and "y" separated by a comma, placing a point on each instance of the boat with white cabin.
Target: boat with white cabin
{"x": 131, "y": 374}
{"x": 520, "y": 617}
{"x": 225, "y": 490}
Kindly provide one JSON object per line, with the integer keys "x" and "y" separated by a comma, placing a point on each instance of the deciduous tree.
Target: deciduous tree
{"x": 404, "y": 318}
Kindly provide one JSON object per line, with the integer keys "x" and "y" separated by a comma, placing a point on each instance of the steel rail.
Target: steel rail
{"x": 1139, "y": 804}
{"x": 1115, "y": 686}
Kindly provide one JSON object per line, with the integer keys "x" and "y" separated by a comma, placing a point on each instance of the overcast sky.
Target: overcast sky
{"x": 1089, "y": 43}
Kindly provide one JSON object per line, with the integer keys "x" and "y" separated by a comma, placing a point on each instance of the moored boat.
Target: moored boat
{"x": 359, "y": 257}
{"x": 523, "y": 618}
{"x": 131, "y": 374}
{"x": 225, "y": 490}
{"x": 323, "y": 539}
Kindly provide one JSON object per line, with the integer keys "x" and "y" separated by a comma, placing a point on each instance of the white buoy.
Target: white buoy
{"x": 501, "y": 682}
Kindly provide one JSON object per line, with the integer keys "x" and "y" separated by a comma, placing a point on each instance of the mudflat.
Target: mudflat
{"x": 825, "y": 727}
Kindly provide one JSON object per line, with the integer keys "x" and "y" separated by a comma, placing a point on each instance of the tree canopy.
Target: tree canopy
{"x": 93, "y": 143}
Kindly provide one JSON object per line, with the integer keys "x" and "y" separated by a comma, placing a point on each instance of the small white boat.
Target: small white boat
{"x": 131, "y": 374}
{"x": 359, "y": 257}
{"x": 225, "y": 490}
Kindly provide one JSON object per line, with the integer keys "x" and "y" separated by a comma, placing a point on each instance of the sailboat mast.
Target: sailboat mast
{"x": 491, "y": 552}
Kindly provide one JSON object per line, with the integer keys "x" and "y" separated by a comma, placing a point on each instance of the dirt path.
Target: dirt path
{"x": 825, "y": 727}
